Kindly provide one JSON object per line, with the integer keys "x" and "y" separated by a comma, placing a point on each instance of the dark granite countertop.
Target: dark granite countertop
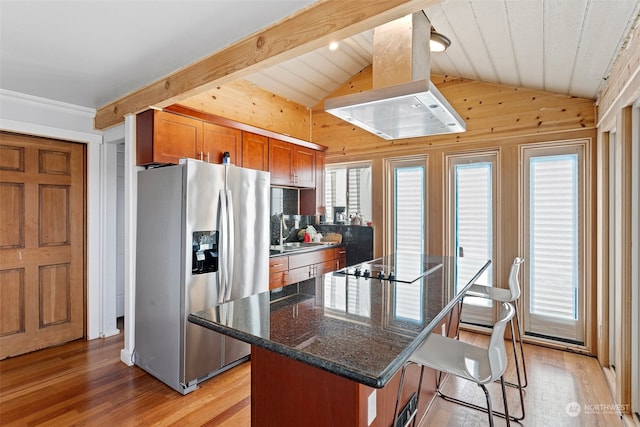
{"x": 360, "y": 328}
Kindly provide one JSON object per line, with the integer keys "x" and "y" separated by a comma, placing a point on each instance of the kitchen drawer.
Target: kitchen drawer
{"x": 280, "y": 263}
{"x": 299, "y": 274}
{"x": 309, "y": 258}
{"x": 326, "y": 267}
{"x": 277, "y": 279}
{"x": 340, "y": 255}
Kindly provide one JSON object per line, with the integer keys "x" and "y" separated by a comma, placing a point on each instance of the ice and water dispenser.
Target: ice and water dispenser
{"x": 205, "y": 252}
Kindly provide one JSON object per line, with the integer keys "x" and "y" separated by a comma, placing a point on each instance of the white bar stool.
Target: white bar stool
{"x": 510, "y": 295}
{"x": 467, "y": 361}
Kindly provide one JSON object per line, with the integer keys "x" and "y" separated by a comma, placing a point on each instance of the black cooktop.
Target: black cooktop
{"x": 399, "y": 267}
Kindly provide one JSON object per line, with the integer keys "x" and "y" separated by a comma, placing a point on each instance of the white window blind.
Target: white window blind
{"x": 474, "y": 213}
{"x": 554, "y": 236}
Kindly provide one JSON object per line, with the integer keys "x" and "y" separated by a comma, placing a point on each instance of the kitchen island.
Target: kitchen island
{"x": 327, "y": 351}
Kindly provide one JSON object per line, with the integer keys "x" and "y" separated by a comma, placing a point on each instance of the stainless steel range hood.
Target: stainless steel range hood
{"x": 404, "y": 103}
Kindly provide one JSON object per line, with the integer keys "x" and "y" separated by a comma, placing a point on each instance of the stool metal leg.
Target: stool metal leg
{"x": 489, "y": 409}
{"x": 395, "y": 411}
{"x": 399, "y": 396}
{"x": 519, "y": 326}
{"x": 505, "y": 414}
{"x": 506, "y": 405}
{"x": 519, "y": 385}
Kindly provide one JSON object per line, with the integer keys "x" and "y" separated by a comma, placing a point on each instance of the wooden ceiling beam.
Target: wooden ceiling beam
{"x": 302, "y": 32}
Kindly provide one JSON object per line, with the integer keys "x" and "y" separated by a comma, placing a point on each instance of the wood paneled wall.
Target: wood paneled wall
{"x": 491, "y": 112}
{"x": 499, "y": 119}
{"x": 246, "y": 103}
{"x": 615, "y": 103}
{"x": 623, "y": 82}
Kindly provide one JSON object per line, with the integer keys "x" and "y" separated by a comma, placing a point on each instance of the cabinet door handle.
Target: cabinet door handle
{"x": 201, "y": 155}
{"x": 208, "y": 157}
{"x": 277, "y": 265}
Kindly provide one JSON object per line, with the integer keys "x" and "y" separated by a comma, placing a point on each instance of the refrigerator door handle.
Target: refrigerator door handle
{"x": 223, "y": 250}
{"x": 230, "y": 243}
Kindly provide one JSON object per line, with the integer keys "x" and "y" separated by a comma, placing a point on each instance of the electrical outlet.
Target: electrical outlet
{"x": 371, "y": 408}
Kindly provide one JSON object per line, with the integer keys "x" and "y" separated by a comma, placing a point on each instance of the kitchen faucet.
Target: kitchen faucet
{"x": 282, "y": 225}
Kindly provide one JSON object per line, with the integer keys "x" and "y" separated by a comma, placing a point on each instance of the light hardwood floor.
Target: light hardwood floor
{"x": 84, "y": 383}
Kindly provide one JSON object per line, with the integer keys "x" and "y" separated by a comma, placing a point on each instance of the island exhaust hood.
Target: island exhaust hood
{"x": 404, "y": 103}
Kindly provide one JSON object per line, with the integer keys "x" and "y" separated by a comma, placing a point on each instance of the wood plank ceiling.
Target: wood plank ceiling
{"x": 564, "y": 47}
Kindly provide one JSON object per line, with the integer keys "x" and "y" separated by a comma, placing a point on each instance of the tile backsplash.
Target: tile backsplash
{"x": 284, "y": 200}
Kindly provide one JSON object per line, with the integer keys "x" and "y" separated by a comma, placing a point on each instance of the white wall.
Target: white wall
{"x": 31, "y": 115}
{"x": 120, "y": 231}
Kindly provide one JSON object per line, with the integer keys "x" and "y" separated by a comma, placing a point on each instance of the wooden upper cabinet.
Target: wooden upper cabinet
{"x": 218, "y": 139}
{"x": 312, "y": 199}
{"x": 255, "y": 151}
{"x": 291, "y": 164}
{"x": 166, "y": 138}
{"x": 304, "y": 166}
{"x": 281, "y": 162}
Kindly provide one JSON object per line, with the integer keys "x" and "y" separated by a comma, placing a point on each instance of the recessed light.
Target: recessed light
{"x": 334, "y": 45}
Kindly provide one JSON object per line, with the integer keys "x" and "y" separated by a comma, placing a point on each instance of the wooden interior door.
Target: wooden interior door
{"x": 42, "y": 243}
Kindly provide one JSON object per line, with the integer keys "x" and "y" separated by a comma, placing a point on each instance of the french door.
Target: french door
{"x": 472, "y": 201}
{"x": 554, "y": 223}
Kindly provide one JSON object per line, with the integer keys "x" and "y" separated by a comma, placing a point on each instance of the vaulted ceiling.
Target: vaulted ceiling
{"x": 564, "y": 47}
{"x": 90, "y": 53}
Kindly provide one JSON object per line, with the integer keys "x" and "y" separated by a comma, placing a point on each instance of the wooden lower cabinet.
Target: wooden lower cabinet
{"x": 278, "y": 267}
{"x": 340, "y": 255}
{"x": 285, "y": 392}
{"x": 287, "y": 269}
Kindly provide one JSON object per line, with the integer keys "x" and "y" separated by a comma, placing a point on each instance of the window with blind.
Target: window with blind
{"x": 409, "y": 209}
{"x": 554, "y": 218}
{"x": 348, "y": 186}
{"x": 471, "y": 215}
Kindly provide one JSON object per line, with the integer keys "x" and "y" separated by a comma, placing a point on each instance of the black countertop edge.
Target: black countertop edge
{"x": 334, "y": 368}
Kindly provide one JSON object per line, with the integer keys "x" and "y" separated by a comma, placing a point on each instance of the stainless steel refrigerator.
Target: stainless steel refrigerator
{"x": 202, "y": 238}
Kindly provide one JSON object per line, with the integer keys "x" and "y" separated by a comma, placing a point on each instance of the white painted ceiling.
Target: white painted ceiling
{"x": 560, "y": 46}
{"x": 92, "y": 52}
